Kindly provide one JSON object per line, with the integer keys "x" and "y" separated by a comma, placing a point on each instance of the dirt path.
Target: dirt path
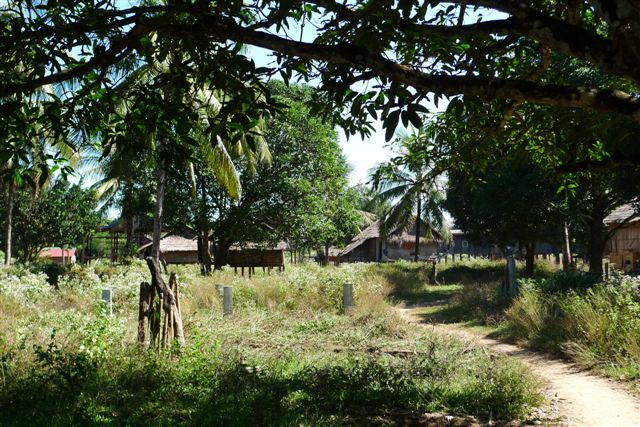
{"x": 579, "y": 398}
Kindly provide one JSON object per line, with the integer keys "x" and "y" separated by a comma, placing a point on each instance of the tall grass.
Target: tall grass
{"x": 287, "y": 356}
{"x": 598, "y": 327}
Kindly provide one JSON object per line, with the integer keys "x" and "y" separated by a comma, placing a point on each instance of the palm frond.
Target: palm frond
{"x": 220, "y": 163}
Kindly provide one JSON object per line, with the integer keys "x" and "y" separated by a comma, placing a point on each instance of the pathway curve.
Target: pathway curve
{"x": 581, "y": 399}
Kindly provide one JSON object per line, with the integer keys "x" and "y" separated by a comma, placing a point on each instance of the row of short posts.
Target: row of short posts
{"x": 227, "y": 298}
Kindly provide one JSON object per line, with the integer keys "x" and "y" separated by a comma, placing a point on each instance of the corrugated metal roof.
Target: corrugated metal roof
{"x": 621, "y": 213}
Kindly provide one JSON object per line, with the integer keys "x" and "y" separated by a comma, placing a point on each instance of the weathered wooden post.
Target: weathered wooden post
{"x": 512, "y": 283}
{"x": 606, "y": 271}
{"x": 108, "y": 301}
{"x": 227, "y": 300}
{"x": 347, "y": 297}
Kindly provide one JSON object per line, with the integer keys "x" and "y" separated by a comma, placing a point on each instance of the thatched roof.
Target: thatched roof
{"x": 334, "y": 251}
{"x": 175, "y": 244}
{"x": 622, "y": 213}
{"x": 404, "y": 238}
{"x": 250, "y": 245}
{"x": 371, "y": 232}
{"x": 396, "y": 237}
{"x": 143, "y": 223}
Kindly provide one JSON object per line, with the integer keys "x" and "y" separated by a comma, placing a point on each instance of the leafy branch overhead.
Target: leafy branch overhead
{"x": 410, "y": 51}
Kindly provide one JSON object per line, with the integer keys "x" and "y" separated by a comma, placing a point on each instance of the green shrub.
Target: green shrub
{"x": 562, "y": 282}
{"x": 482, "y": 302}
{"x": 596, "y": 326}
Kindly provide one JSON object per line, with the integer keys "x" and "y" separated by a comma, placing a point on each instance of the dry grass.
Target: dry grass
{"x": 288, "y": 355}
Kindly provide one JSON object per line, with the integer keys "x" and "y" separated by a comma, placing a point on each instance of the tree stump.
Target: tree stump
{"x": 159, "y": 319}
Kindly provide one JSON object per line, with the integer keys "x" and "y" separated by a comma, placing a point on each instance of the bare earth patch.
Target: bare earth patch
{"x": 579, "y": 398}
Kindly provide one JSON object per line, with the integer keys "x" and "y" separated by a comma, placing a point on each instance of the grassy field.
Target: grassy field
{"x": 287, "y": 356}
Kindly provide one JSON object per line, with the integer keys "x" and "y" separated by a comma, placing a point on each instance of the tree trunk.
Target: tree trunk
{"x": 204, "y": 257}
{"x": 597, "y": 240}
{"x": 129, "y": 233}
{"x": 530, "y": 258}
{"x": 326, "y": 254}
{"x": 220, "y": 255}
{"x": 168, "y": 298}
{"x": 8, "y": 223}
{"x": 161, "y": 181}
{"x": 567, "y": 257}
{"x": 417, "y": 243}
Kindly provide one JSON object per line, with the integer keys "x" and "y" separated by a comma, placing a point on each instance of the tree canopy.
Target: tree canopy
{"x": 409, "y": 51}
{"x": 60, "y": 215}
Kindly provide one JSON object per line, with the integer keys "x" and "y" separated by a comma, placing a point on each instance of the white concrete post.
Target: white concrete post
{"x": 347, "y": 296}
{"x": 107, "y": 299}
{"x": 227, "y": 300}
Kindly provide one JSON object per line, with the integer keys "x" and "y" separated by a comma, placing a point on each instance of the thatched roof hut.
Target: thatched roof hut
{"x": 175, "y": 249}
{"x": 624, "y": 245}
{"x": 371, "y": 245}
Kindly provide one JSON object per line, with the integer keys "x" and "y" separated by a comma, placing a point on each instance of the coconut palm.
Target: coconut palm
{"x": 117, "y": 169}
{"x": 29, "y": 163}
{"x": 407, "y": 183}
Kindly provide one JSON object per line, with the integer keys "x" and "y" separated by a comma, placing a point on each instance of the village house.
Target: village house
{"x": 174, "y": 249}
{"x": 371, "y": 246}
{"x": 624, "y": 245}
{"x": 461, "y": 243}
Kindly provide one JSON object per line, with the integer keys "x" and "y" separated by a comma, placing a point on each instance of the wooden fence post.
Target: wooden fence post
{"x": 512, "y": 284}
{"x": 143, "y": 314}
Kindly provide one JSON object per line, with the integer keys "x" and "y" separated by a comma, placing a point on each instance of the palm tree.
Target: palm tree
{"x": 200, "y": 101}
{"x": 407, "y": 183}
{"x": 29, "y": 165}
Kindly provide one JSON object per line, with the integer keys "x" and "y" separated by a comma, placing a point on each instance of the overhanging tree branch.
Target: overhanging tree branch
{"x": 491, "y": 88}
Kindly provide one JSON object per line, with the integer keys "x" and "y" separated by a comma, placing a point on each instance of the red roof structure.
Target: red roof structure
{"x": 57, "y": 253}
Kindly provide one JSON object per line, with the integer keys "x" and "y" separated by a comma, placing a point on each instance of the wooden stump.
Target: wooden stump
{"x": 159, "y": 319}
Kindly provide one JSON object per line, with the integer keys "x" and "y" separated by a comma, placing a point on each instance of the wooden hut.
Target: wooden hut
{"x": 371, "y": 246}
{"x": 175, "y": 249}
{"x": 462, "y": 243}
{"x": 109, "y": 240}
{"x": 624, "y": 245}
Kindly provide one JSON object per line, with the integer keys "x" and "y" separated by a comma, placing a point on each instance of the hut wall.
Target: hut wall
{"x": 68, "y": 260}
{"x": 625, "y": 246}
{"x": 366, "y": 252}
{"x": 256, "y": 258}
{"x": 407, "y": 251}
{"x": 462, "y": 244}
{"x": 180, "y": 257}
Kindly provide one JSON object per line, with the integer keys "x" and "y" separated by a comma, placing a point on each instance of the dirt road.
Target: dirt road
{"x": 581, "y": 399}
